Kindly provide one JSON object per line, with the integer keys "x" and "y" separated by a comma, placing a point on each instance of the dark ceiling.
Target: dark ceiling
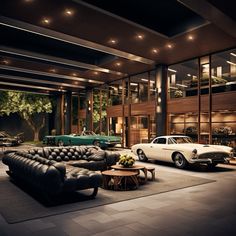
{"x": 167, "y": 17}
{"x": 60, "y": 45}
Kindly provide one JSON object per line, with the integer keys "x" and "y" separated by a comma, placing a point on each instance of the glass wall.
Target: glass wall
{"x": 139, "y": 88}
{"x": 115, "y": 93}
{"x": 139, "y": 129}
{"x": 223, "y": 71}
{"x": 217, "y": 122}
{"x": 183, "y": 79}
{"x": 152, "y": 88}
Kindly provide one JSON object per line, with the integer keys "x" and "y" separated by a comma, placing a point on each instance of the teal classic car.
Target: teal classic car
{"x": 85, "y": 138}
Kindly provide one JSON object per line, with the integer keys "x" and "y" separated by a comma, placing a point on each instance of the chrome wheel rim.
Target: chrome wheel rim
{"x": 179, "y": 160}
{"x": 141, "y": 155}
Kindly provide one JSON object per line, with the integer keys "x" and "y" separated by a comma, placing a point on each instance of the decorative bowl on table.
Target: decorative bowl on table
{"x": 126, "y": 160}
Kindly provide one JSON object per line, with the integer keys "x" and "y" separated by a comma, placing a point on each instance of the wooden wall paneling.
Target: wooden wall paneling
{"x": 147, "y": 108}
{"x": 182, "y": 105}
{"x": 114, "y": 111}
{"x": 224, "y": 101}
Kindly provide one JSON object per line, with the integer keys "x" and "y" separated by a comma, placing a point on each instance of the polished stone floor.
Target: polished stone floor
{"x": 208, "y": 209}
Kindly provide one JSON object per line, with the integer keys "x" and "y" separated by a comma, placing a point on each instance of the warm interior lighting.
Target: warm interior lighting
{"x": 112, "y": 41}
{"x": 74, "y": 74}
{"x": 69, "y": 12}
{"x": 154, "y": 50}
{"x": 6, "y": 62}
{"x": 172, "y": 70}
{"x": 233, "y": 54}
{"x": 169, "y": 46}
{"x": 231, "y": 63}
{"x": 95, "y": 73}
{"x": 28, "y": 1}
{"x": 190, "y": 37}
{"x": 118, "y": 64}
{"x": 46, "y": 21}
{"x": 145, "y": 80}
{"x": 134, "y": 84}
{"x": 52, "y": 70}
{"x": 182, "y": 85}
{"x": 189, "y": 75}
{"x": 140, "y": 36}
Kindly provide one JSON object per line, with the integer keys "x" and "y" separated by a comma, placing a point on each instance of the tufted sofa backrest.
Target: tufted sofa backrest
{"x": 47, "y": 175}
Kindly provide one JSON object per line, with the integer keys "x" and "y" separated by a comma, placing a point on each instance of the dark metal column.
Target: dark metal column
{"x": 89, "y": 110}
{"x": 161, "y": 99}
{"x": 67, "y": 112}
{"x": 57, "y": 116}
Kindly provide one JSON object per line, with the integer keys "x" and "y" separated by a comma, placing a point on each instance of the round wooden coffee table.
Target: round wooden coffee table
{"x": 135, "y": 168}
{"x": 119, "y": 179}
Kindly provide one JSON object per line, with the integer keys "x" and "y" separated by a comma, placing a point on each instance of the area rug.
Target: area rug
{"x": 17, "y": 205}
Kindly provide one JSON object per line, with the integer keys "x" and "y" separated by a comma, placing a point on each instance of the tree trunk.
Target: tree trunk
{"x": 36, "y": 128}
{"x": 36, "y": 135}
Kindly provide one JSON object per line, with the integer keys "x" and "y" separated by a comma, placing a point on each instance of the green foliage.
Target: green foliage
{"x": 126, "y": 160}
{"x": 97, "y": 105}
{"x": 25, "y": 104}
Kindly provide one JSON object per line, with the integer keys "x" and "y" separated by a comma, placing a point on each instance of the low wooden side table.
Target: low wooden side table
{"x": 135, "y": 168}
{"x": 118, "y": 177}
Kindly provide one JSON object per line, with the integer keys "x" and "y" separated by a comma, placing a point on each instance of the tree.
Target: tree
{"x": 28, "y": 106}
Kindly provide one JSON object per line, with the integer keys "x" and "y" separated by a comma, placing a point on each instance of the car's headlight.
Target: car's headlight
{"x": 194, "y": 153}
{"x": 231, "y": 153}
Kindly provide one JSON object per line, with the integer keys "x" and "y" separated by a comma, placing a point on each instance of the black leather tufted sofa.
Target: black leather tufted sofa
{"x": 55, "y": 170}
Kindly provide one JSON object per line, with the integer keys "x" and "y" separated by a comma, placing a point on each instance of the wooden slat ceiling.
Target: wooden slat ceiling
{"x": 73, "y": 45}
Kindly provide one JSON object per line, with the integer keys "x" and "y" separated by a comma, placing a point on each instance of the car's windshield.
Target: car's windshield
{"x": 87, "y": 132}
{"x": 178, "y": 140}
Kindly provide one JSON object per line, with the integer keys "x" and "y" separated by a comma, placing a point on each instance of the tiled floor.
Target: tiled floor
{"x": 208, "y": 209}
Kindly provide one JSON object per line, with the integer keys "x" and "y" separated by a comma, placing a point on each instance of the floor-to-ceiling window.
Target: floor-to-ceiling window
{"x": 203, "y": 106}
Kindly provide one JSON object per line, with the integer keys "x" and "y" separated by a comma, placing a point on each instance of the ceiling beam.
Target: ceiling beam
{"x": 42, "y": 82}
{"x": 56, "y": 60}
{"x": 71, "y": 39}
{"x": 27, "y": 87}
{"x": 54, "y": 75}
{"x": 212, "y": 14}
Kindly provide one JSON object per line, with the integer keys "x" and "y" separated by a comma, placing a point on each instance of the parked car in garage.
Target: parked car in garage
{"x": 85, "y": 138}
{"x": 8, "y": 140}
{"x": 182, "y": 151}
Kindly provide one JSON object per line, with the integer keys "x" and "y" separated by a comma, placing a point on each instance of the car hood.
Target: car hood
{"x": 201, "y": 148}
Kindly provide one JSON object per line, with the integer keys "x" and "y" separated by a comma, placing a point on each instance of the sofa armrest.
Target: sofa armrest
{"x": 111, "y": 158}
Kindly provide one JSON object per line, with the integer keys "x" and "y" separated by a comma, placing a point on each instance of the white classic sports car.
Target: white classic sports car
{"x": 182, "y": 151}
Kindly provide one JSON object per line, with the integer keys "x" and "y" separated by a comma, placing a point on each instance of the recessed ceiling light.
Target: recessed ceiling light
{"x": 231, "y": 63}
{"x": 169, "y": 45}
{"x": 69, "y": 12}
{"x": 172, "y": 70}
{"x": 140, "y": 36}
{"x": 6, "y": 62}
{"x": 95, "y": 72}
{"x": 189, "y": 75}
{"x": 154, "y": 50}
{"x": 46, "y": 21}
{"x": 190, "y": 37}
{"x": 74, "y": 74}
{"x": 112, "y": 41}
{"x": 53, "y": 70}
{"x": 233, "y": 54}
{"x": 118, "y": 64}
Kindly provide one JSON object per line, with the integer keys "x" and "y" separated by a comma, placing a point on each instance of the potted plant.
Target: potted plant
{"x": 126, "y": 160}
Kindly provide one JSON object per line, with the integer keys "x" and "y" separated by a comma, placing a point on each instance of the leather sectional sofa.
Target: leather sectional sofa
{"x": 52, "y": 171}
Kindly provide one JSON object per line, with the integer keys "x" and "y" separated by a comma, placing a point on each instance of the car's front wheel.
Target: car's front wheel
{"x": 180, "y": 161}
{"x": 60, "y": 143}
{"x": 141, "y": 155}
{"x": 97, "y": 143}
